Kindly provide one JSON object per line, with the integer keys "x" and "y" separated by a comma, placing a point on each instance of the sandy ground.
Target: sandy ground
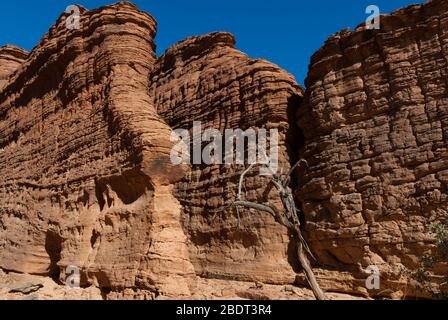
{"x": 14, "y": 286}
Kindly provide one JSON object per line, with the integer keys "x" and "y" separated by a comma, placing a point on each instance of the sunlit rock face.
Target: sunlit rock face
{"x": 375, "y": 120}
{"x": 11, "y": 58}
{"x": 86, "y": 124}
{"x": 86, "y": 178}
{"x": 207, "y": 79}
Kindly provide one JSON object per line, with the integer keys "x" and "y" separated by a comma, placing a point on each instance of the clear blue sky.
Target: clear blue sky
{"x": 286, "y": 32}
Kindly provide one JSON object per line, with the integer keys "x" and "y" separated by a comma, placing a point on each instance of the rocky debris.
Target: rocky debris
{"x": 26, "y": 288}
{"x": 206, "y": 79}
{"x": 375, "y": 123}
{"x": 207, "y": 289}
{"x": 15, "y": 286}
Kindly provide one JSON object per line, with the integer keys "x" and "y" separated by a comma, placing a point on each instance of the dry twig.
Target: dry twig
{"x": 287, "y": 217}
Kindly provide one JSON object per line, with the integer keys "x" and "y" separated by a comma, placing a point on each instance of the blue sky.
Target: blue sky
{"x": 286, "y": 32}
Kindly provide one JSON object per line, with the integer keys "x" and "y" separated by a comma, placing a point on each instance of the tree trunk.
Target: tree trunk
{"x": 318, "y": 293}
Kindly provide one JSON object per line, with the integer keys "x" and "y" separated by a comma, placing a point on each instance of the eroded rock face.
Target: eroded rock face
{"x": 11, "y": 58}
{"x": 206, "y": 79}
{"x": 84, "y": 160}
{"x": 375, "y": 119}
{"x": 86, "y": 121}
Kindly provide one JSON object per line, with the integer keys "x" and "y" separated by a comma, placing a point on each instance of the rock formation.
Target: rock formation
{"x": 375, "y": 122}
{"x": 10, "y": 59}
{"x": 86, "y": 123}
{"x": 206, "y": 79}
{"x": 84, "y": 159}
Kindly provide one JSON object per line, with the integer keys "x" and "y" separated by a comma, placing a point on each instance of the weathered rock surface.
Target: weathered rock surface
{"x": 375, "y": 120}
{"x": 206, "y": 79}
{"x": 84, "y": 160}
{"x": 86, "y": 178}
{"x": 14, "y": 286}
{"x": 11, "y": 58}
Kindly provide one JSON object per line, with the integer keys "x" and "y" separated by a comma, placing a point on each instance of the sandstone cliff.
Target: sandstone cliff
{"x": 206, "y": 79}
{"x": 10, "y": 59}
{"x": 375, "y": 120}
{"x": 86, "y": 178}
{"x": 84, "y": 159}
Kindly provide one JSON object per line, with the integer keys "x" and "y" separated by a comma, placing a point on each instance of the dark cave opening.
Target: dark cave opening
{"x": 129, "y": 187}
{"x": 53, "y": 247}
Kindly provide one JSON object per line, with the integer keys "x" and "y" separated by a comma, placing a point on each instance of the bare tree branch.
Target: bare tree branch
{"x": 310, "y": 277}
{"x": 256, "y": 206}
{"x": 288, "y": 218}
{"x": 243, "y": 175}
{"x": 290, "y": 173}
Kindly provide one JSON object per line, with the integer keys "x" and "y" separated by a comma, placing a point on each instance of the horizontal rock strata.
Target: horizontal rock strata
{"x": 86, "y": 127}
{"x": 84, "y": 159}
{"x": 375, "y": 119}
{"x": 206, "y": 79}
{"x": 11, "y": 58}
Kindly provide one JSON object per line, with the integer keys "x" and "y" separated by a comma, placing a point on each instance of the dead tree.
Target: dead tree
{"x": 288, "y": 217}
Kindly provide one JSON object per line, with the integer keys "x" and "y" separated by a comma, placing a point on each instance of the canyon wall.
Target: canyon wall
{"x": 375, "y": 120}
{"x": 84, "y": 160}
{"x": 11, "y": 58}
{"x": 86, "y": 123}
{"x": 206, "y": 79}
